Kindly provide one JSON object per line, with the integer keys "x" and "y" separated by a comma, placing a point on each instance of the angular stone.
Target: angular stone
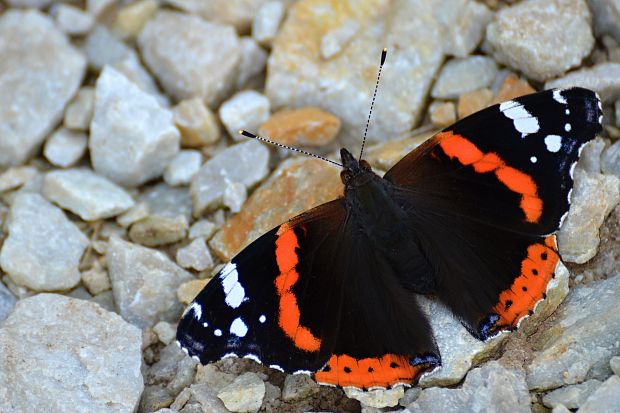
{"x": 234, "y": 196}
{"x": 196, "y": 255}
{"x": 244, "y": 394}
{"x": 572, "y": 396}
{"x": 245, "y": 163}
{"x": 198, "y": 125}
{"x": 130, "y": 19}
{"x": 610, "y": 160}
{"x": 267, "y": 21}
{"x": 154, "y": 231}
{"x": 464, "y": 75}
{"x": 467, "y": 30}
{"x": 594, "y": 196}
{"x": 202, "y": 229}
{"x": 207, "y": 399}
{"x": 252, "y": 66}
{"x": 7, "y": 302}
{"x": 606, "y": 396}
{"x": 144, "y": 282}
{"x": 442, "y": 113}
{"x": 43, "y": 249}
{"x": 376, "y": 398}
{"x": 15, "y": 177}
{"x": 71, "y": 19}
{"x": 215, "y": 379}
{"x": 245, "y": 110}
{"x": 132, "y": 137}
{"x": 96, "y": 279}
{"x": 180, "y": 49}
{"x": 603, "y": 78}
{"x": 472, "y": 102}
{"x": 308, "y": 126}
{"x": 614, "y": 363}
{"x": 165, "y": 332}
{"x": 34, "y": 56}
{"x": 86, "y": 194}
{"x": 606, "y": 17}
{"x": 73, "y": 356}
{"x": 163, "y": 200}
{"x": 298, "y": 387}
{"x": 136, "y": 213}
{"x": 64, "y": 147}
{"x": 182, "y": 168}
{"x": 79, "y": 111}
{"x": 532, "y": 36}
{"x": 590, "y": 158}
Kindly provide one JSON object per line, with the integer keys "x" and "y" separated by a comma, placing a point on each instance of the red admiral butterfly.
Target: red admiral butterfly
{"x": 469, "y": 217}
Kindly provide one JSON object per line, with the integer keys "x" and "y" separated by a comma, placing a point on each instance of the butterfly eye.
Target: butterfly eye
{"x": 345, "y": 176}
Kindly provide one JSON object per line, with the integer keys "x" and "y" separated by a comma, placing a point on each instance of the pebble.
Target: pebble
{"x": 207, "y": 399}
{"x": 214, "y": 378}
{"x": 606, "y": 15}
{"x": 132, "y": 137}
{"x": 183, "y": 167}
{"x": 131, "y": 18}
{"x": 463, "y": 75}
{"x": 594, "y": 196}
{"x": 79, "y": 111}
{"x": 189, "y": 290}
{"x": 246, "y": 163}
{"x": 610, "y": 160}
{"x": 136, "y": 213}
{"x": 61, "y": 345}
{"x": 144, "y": 282}
{"x": 308, "y": 126}
{"x": 166, "y": 332}
{"x": 532, "y": 36}
{"x": 298, "y": 387}
{"x": 252, "y": 66}
{"x": 238, "y": 13}
{"x": 474, "y": 101}
{"x": 26, "y": 114}
{"x": 614, "y": 363}
{"x": 155, "y": 397}
{"x": 202, "y": 229}
{"x": 96, "y": 279}
{"x": 606, "y": 396}
{"x": 196, "y": 255}
{"x": 244, "y": 394}
{"x": 491, "y": 387}
{"x": 467, "y": 27}
{"x": 154, "y": 231}
{"x": 590, "y": 158}
{"x": 15, "y": 177}
{"x": 376, "y": 398}
{"x": 166, "y": 201}
{"x": 603, "y": 78}
{"x": 43, "y": 249}
{"x": 65, "y": 148}
{"x": 7, "y": 302}
{"x": 582, "y": 340}
{"x": 179, "y": 49}
{"x": 197, "y": 124}
{"x": 442, "y": 114}
{"x": 513, "y": 87}
{"x": 572, "y": 396}
{"x": 245, "y": 110}
{"x": 267, "y": 21}
{"x": 86, "y": 194}
{"x": 72, "y": 20}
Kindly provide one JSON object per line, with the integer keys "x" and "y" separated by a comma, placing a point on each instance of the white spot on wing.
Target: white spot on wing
{"x": 262, "y": 318}
{"x": 205, "y": 324}
{"x": 217, "y": 332}
{"x": 567, "y": 127}
{"x": 553, "y": 142}
{"x": 557, "y": 95}
{"x": 238, "y": 327}
{"x": 196, "y": 358}
{"x": 235, "y": 293}
{"x": 523, "y": 120}
{"x": 276, "y": 367}
{"x": 252, "y": 357}
{"x": 567, "y": 111}
{"x": 533, "y": 159}
{"x": 197, "y": 310}
{"x": 306, "y": 372}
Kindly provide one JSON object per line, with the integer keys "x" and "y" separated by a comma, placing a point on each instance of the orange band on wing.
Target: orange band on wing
{"x": 288, "y": 311}
{"x": 456, "y": 146}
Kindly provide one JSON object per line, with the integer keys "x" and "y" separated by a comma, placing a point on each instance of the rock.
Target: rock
{"x": 98, "y": 7}
{"x": 166, "y": 332}
{"x": 376, "y": 398}
{"x": 572, "y": 396}
{"x": 594, "y": 196}
{"x": 244, "y": 394}
{"x": 65, "y": 148}
{"x": 136, "y": 213}
{"x": 195, "y": 255}
{"x": 296, "y": 186}
{"x": 298, "y": 387}
{"x": 532, "y": 36}
{"x": 131, "y": 18}
{"x": 34, "y": 56}
{"x": 245, "y": 110}
{"x": 238, "y": 13}
{"x": 94, "y": 367}
{"x": 442, "y": 113}
{"x": 491, "y": 387}
{"x": 582, "y": 340}
{"x": 72, "y": 20}
{"x": 245, "y": 163}
{"x": 253, "y": 62}
{"x": 86, "y": 194}
{"x": 96, "y": 279}
{"x": 208, "y": 399}
{"x": 189, "y": 290}
{"x": 308, "y": 126}
{"x": 513, "y": 87}
{"x": 466, "y": 30}
{"x": 614, "y": 363}
{"x": 15, "y": 177}
{"x": 181, "y": 400}
{"x": 182, "y": 168}
{"x": 464, "y": 75}
{"x": 163, "y": 200}
{"x": 154, "y": 398}
{"x": 173, "y": 368}
{"x": 472, "y": 102}
{"x": 198, "y": 125}
{"x": 202, "y": 229}
{"x": 180, "y": 49}
{"x": 610, "y": 160}
{"x": 590, "y": 158}
{"x": 603, "y": 78}
{"x": 560, "y": 409}
{"x": 79, "y": 111}
{"x": 606, "y": 16}
{"x": 7, "y": 302}
{"x": 606, "y": 396}
{"x": 29, "y": 3}
{"x": 154, "y": 231}
{"x": 234, "y": 196}
{"x": 144, "y": 283}
{"x": 211, "y": 376}
{"x": 267, "y": 21}
{"x": 411, "y": 395}
{"x": 43, "y": 249}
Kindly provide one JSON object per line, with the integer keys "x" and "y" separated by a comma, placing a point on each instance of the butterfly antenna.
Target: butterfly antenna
{"x": 374, "y": 95}
{"x": 290, "y": 148}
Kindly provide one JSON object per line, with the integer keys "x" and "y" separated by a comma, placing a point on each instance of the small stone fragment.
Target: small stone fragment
{"x": 167, "y": 201}
{"x": 267, "y": 21}
{"x": 234, "y": 196}
{"x": 79, "y": 111}
{"x": 572, "y": 396}
{"x": 472, "y": 102}
{"x": 7, "y": 302}
{"x": 96, "y": 279}
{"x": 98, "y": 7}
{"x": 614, "y": 363}
{"x": 17, "y": 176}
{"x": 513, "y": 87}
{"x": 464, "y": 75}
{"x": 466, "y": 31}
{"x": 166, "y": 332}
{"x": 244, "y": 394}
{"x": 603, "y": 78}
{"x": 72, "y": 20}
{"x": 131, "y": 18}
{"x": 309, "y": 126}
{"x": 253, "y": 61}
{"x": 182, "y": 168}
{"x": 103, "y": 48}
{"x": 196, "y": 255}
{"x": 154, "y": 231}
{"x": 376, "y": 398}
{"x": 212, "y": 377}
{"x": 155, "y": 397}
{"x": 202, "y": 229}
{"x": 207, "y": 399}
{"x": 198, "y": 125}
{"x": 189, "y": 290}
{"x": 610, "y": 160}
{"x": 590, "y": 158}
{"x": 442, "y": 113}
{"x": 134, "y": 214}
{"x": 298, "y": 387}
{"x": 65, "y": 148}
{"x": 245, "y": 110}
{"x": 606, "y": 396}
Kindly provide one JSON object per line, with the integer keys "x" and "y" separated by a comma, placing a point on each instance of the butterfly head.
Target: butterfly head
{"x": 354, "y": 172}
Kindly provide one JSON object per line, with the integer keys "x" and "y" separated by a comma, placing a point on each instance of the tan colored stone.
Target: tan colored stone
{"x": 198, "y": 125}
{"x": 309, "y": 126}
{"x": 513, "y": 87}
{"x": 131, "y": 18}
{"x": 385, "y": 155}
{"x": 472, "y": 102}
{"x": 442, "y": 113}
{"x": 189, "y": 290}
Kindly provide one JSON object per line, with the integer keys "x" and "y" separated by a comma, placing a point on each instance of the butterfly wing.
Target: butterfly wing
{"x": 487, "y": 193}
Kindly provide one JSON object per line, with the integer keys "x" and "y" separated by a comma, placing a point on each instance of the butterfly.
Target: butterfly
{"x": 468, "y": 217}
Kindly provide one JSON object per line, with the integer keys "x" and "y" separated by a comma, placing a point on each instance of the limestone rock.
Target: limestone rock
{"x": 460, "y": 76}
{"x": 198, "y": 125}
{"x": 182, "y": 168}
{"x": 244, "y": 394}
{"x": 64, "y": 147}
{"x": 245, "y": 110}
{"x": 79, "y": 111}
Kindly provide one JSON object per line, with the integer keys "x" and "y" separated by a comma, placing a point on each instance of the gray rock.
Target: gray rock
{"x": 7, "y": 302}
{"x": 105, "y": 300}
{"x": 64, "y": 147}
{"x": 590, "y": 158}
{"x": 183, "y": 167}
{"x": 86, "y": 194}
{"x": 605, "y": 399}
{"x": 603, "y": 78}
{"x": 244, "y": 394}
{"x": 234, "y": 196}
{"x": 571, "y": 396}
{"x": 532, "y": 36}
{"x": 132, "y": 137}
{"x": 467, "y": 28}
{"x": 267, "y": 21}
{"x": 155, "y": 231}
{"x": 245, "y": 110}
{"x": 594, "y": 196}
{"x": 460, "y": 76}
{"x": 73, "y": 356}
{"x": 43, "y": 249}
{"x": 298, "y": 387}
{"x": 490, "y": 388}
{"x": 173, "y": 368}
{"x": 581, "y": 342}
{"x": 610, "y": 160}
{"x": 196, "y": 255}
{"x": 79, "y": 111}
{"x": 96, "y": 279}
{"x": 144, "y": 283}
{"x": 245, "y": 163}
{"x": 179, "y": 49}
{"x": 29, "y": 3}
{"x": 34, "y": 56}
{"x": 410, "y": 396}
{"x": 202, "y": 229}
{"x": 165, "y": 332}
{"x": 165, "y": 201}
{"x": 154, "y": 398}
{"x": 606, "y": 17}
{"x": 614, "y": 364}
{"x": 376, "y": 399}
{"x": 207, "y": 398}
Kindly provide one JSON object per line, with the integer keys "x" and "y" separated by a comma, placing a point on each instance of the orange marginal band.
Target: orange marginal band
{"x": 288, "y": 311}
{"x": 456, "y": 146}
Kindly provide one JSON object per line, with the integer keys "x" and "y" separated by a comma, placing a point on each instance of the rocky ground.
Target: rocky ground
{"x": 124, "y": 186}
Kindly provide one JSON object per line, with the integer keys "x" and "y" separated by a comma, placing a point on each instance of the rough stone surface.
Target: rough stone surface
{"x": 79, "y": 111}
{"x": 7, "y": 302}
{"x": 234, "y": 196}
{"x": 94, "y": 367}
{"x": 605, "y": 399}
{"x": 130, "y": 19}
{"x": 154, "y": 231}
{"x": 43, "y": 249}
{"x": 189, "y": 290}
{"x": 464, "y": 75}
{"x": 39, "y": 73}
{"x": 196, "y": 255}
{"x": 182, "y": 168}
{"x": 603, "y": 78}
{"x": 180, "y": 49}
{"x": 244, "y": 394}
{"x": 165, "y": 332}
{"x": 606, "y": 15}
{"x": 86, "y": 194}
{"x": 614, "y": 364}
{"x": 571, "y": 396}
{"x": 202, "y": 229}
{"x": 96, "y": 279}
{"x": 533, "y": 35}
{"x": 512, "y": 87}
{"x": 245, "y": 110}
{"x": 610, "y": 160}
{"x": 65, "y": 148}
{"x": 590, "y": 158}
{"x": 144, "y": 282}
{"x": 132, "y": 137}
{"x": 197, "y": 124}
{"x": 309, "y": 126}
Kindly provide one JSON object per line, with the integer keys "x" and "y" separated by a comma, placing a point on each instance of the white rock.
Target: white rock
{"x": 65, "y": 148}
{"x": 298, "y": 387}
{"x": 196, "y": 255}
{"x": 131, "y": 18}
{"x": 334, "y": 40}
{"x": 154, "y": 231}
{"x": 74, "y": 356}
{"x": 571, "y": 396}
{"x": 86, "y": 194}
{"x": 245, "y": 110}
{"x": 134, "y": 214}
{"x": 466, "y": 29}
{"x": 267, "y": 21}
{"x": 603, "y": 78}
{"x": 132, "y": 137}
{"x": 244, "y": 394}
{"x": 98, "y": 7}
{"x": 235, "y": 195}
{"x": 376, "y": 398}
{"x": 253, "y": 62}
{"x": 17, "y": 176}
{"x": 202, "y": 229}
{"x": 79, "y": 111}
{"x": 96, "y": 279}
{"x": 605, "y": 399}
{"x": 39, "y": 73}
{"x": 43, "y": 249}
{"x": 165, "y": 332}
{"x": 7, "y": 302}
{"x": 460, "y": 76}
{"x": 72, "y": 20}
{"x": 236, "y": 12}
{"x": 182, "y": 168}
{"x": 198, "y": 125}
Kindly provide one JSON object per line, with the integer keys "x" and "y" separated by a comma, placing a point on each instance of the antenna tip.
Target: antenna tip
{"x": 246, "y": 133}
{"x": 383, "y": 55}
